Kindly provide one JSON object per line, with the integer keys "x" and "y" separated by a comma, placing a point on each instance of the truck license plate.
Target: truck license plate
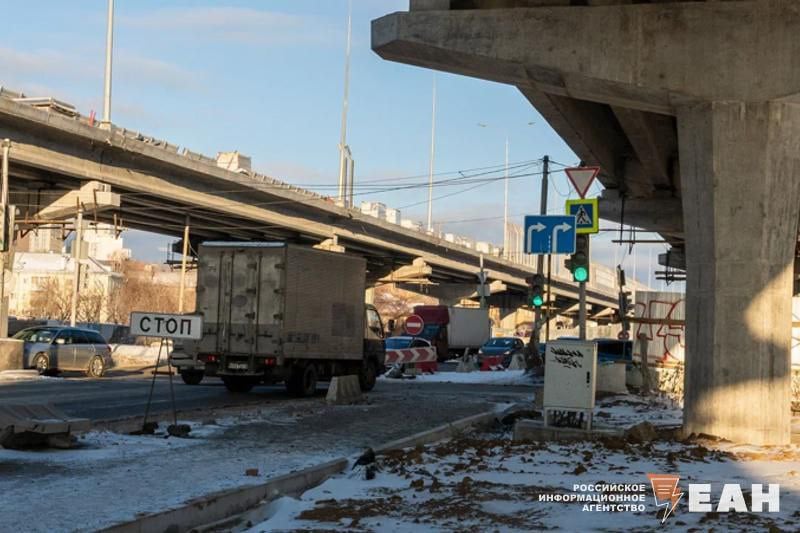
{"x": 237, "y": 366}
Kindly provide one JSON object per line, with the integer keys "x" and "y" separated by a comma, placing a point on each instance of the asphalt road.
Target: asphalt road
{"x": 120, "y": 396}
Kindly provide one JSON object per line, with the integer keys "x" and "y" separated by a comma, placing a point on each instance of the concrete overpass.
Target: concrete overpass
{"x": 58, "y": 162}
{"x": 692, "y": 109}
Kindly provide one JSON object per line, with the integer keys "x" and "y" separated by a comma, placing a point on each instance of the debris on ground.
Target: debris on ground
{"x": 484, "y": 481}
{"x": 179, "y": 430}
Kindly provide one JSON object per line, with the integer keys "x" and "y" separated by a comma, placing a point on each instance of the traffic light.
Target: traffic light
{"x": 536, "y": 290}
{"x": 625, "y": 304}
{"x": 578, "y": 263}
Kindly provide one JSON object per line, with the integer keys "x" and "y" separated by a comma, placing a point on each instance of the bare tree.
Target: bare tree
{"x": 52, "y": 300}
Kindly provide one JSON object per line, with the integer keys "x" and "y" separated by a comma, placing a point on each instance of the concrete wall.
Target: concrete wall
{"x": 10, "y": 354}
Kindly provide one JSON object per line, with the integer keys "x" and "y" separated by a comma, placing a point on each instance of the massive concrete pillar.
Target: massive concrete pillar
{"x": 691, "y": 104}
{"x": 740, "y": 167}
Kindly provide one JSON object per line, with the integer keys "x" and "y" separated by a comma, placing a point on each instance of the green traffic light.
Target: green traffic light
{"x": 580, "y": 274}
{"x": 538, "y": 300}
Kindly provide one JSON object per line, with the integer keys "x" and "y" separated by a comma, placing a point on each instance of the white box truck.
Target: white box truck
{"x": 282, "y": 312}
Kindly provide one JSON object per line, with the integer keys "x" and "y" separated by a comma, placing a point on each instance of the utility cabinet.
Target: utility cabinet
{"x": 569, "y": 383}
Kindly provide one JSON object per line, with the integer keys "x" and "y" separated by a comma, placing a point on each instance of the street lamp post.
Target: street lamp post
{"x": 109, "y": 53}
{"x": 505, "y": 194}
{"x": 345, "y": 181}
{"x": 433, "y": 156}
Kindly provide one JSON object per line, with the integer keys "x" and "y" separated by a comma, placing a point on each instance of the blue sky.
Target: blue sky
{"x": 266, "y": 78}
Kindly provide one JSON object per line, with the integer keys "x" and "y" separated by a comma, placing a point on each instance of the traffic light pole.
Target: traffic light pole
{"x": 582, "y": 310}
{"x": 543, "y": 211}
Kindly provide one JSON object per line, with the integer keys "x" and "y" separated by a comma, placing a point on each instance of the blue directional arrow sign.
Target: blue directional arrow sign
{"x": 549, "y": 234}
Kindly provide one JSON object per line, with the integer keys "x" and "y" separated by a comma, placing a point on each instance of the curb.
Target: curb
{"x": 206, "y": 511}
{"x": 221, "y": 505}
{"x": 440, "y": 432}
{"x": 127, "y": 424}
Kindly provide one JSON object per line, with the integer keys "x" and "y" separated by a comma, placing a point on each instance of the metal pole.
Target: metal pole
{"x": 182, "y": 289}
{"x": 76, "y": 256}
{"x": 482, "y": 285}
{"x": 351, "y": 178}
{"x": 542, "y": 211}
{"x": 6, "y": 245}
{"x": 549, "y": 295}
{"x": 433, "y": 155}
{"x": 582, "y": 310}
{"x": 343, "y": 135}
{"x": 505, "y": 206}
{"x": 109, "y": 52}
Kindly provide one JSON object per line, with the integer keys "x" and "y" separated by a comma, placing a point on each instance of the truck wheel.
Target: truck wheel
{"x": 367, "y": 375}
{"x": 238, "y": 384}
{"x": 192, "y": 377}
{"x": 307, "y": 385}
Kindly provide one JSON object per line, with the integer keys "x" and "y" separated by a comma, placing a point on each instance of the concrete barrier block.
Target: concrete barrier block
{"x": 611, "y": 378}
{"x": 10, "y": 354}
{"x": 344, "y": 390}
{"x": 517, "y": 362}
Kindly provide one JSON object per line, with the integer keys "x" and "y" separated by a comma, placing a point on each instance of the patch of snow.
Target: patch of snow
{"x": 628, "y": 409}
{"x": 502, "y": 377}
{"x": 484, "y": 483}
{"x": 22, "y": 375}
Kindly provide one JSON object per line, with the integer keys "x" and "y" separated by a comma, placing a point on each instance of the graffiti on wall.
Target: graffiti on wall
{"x": 665, "y": 342}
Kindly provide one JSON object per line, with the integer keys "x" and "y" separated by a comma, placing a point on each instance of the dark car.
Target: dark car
{"x": 505, "y": 346}
{"x": 52, "y": 348}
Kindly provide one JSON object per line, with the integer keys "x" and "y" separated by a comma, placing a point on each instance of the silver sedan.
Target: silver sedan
{"x": 52, "y": 348}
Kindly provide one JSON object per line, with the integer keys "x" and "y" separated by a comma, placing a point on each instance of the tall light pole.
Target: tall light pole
{"x": 343, "y": 148}
{"x": 433, "y": 156}
{"x": 505, "y": 194}
{"x": 109, "y": 53}
{"x": 505, "y": 205}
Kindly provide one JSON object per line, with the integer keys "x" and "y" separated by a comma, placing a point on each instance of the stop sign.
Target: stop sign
{"x": 414, "y": 325}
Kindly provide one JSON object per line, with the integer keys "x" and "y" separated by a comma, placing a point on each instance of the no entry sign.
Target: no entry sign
{"x": 167, "y": 326}
{"x": 414, "y": 325}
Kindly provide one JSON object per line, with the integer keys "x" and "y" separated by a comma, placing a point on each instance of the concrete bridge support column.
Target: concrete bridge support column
{"x": 740, "y": 169}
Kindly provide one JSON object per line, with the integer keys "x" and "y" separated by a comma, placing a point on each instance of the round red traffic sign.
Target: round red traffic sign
{"x": 414, "y": 325}
{"x": 623, "y": 335}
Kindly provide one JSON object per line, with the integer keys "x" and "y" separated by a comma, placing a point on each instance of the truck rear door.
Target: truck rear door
{"x": 242, "y": 301}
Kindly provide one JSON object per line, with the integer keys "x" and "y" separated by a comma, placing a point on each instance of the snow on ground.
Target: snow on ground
{"x": 136, "y": 356}
{"x": 111, "y": 478}
{"x": 21, "y": 375}
{"x": 627, "y": 409}
{"x": 486, "y": 482}
{"x": 505, "y": 377}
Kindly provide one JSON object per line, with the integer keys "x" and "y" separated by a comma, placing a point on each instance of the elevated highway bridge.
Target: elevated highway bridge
{"x": 58, "y": 163}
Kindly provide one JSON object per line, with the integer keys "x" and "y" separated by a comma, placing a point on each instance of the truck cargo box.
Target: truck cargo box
{"x": 280, "y": 300}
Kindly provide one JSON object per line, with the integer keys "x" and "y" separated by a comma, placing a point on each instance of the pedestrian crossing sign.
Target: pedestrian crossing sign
{"x": 585, "y": 211}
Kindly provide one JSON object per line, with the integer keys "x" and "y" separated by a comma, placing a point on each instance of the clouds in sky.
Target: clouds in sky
{"x": 237, "y": 24}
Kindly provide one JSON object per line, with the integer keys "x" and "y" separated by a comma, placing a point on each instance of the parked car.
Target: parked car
{"x": 52, "y": 348}
{"x": 505, "y": 346}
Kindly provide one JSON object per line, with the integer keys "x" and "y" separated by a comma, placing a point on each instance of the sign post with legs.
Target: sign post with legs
{"x": 166, "y": 327}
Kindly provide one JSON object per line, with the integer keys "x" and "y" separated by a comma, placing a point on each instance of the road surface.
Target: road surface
{"x": 121, "y": 396}
{"x": 112, "y": 477}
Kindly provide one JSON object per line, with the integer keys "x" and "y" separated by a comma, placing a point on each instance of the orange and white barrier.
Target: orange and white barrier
{"x": 424, "y": 359}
